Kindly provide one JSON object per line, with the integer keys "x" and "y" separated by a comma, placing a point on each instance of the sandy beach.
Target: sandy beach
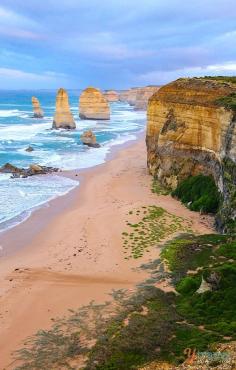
{"x": 70, "y": 253}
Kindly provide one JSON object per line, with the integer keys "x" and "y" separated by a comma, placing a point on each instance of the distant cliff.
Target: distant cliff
{"x": 191, "y": 130}
{"x": 138, "y": 96}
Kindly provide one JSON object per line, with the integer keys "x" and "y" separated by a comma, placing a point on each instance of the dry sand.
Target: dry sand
{"x": 70, "y": 253}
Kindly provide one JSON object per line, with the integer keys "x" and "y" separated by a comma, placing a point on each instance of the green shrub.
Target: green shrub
{"x": 228, "y": 101}
{"x": 188, "y": 285}
{"x": 199, "y": 193}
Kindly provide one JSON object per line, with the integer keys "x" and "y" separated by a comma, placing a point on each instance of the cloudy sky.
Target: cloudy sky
{"x": 114, "y": 43}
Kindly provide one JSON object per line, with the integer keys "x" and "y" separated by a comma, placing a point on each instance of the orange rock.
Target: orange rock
{"x": 111, "y": 96}
{"x": 38, "y": 112}
{"x": 63, "y": 117}
{"x": 93, "y": 105}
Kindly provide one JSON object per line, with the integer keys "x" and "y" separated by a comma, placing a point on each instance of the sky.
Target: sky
{"x": 114, "y": 43}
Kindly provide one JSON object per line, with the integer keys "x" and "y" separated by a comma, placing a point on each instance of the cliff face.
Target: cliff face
{"x": 143, "y": 95}
{"x": 93, "y": 105}
{"x": 138, "y": 96}
{"x": 38, "y": 112}
{"x": 63, "y": 117}
{"x": 111, "y": 96}
{"x": 189, "y": 133}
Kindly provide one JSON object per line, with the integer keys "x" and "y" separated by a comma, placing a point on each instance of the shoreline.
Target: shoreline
{"x": 43, "y": 213}
{"x": 74, "y": 255}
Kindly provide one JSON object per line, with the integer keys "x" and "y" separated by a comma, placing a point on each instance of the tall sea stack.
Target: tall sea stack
{"x": 93, "y": 105}
{"x": 38, "y": 112}
{"x": 63, "y": 117}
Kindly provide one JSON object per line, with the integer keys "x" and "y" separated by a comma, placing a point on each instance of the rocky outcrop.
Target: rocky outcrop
{"x": 63, "y": 117}
{"x": 143, "y": 95}
{"x": 88, "y": 138}
{"x": 33, "y": 169}
{"x": 111, "y": 96}
{"x": 190, "y": 132}
{"x": 93, "y": 105}
{"x": 138, "y": 96}
{"x": 38, "y": 112}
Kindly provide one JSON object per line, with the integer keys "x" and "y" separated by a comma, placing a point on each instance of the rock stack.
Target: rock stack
{"x": 38, "y": 112}
{"x": 63, "y": 117}
{"x": 88, "y": 138}
{"x": 93, "y": 105}
{"x": 111, "y": 96}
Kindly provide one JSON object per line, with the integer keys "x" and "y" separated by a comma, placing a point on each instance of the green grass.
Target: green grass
{"x": 149, "y": 324}
{"x": 231, "y": 79}
{"x": 198, "y": 193}
{"x": 228, "y": 101}
{"x": 159, "y": 189}
{"x": 154, "y": 225}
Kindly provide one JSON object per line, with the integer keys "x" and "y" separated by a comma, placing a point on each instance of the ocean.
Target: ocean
{"x": 57, "y": 148}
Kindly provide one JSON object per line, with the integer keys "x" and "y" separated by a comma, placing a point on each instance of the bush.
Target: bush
{"x": 199, "y": 193}
{"x": 188, "y": 285}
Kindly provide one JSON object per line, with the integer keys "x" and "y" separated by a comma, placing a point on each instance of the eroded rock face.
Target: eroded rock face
{"x": 88, "y": 138}
{"x": 38, "y": 112}
{"x": 138, "y": 96}
{"x": 143, "y": 95}
{"x": 93, "y": 105}
{"x": 63, "y": 117}
{"x": 189, "y": 133}
{"x": 111, "y": 96}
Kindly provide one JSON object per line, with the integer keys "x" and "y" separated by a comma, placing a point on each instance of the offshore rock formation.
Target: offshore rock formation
{"x": 190, "y": 132}
{"x": 38, "y": 112}
{"x": 88, "y": 138}
{"x": 63, "y": 117}
{"x": 111, "y": 96}
{"x": 93, "y": 105}
{"x": 138, "y": 96}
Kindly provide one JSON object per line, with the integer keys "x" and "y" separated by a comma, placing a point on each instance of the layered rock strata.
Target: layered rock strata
{"x": 38, "y": 112}
{"x": 190, "y": 132}
{"x": 63, "y": 117}
{"x": 138, "y": 96}
{"x": 93, "y": 105}
{"x": 111, "y": 96}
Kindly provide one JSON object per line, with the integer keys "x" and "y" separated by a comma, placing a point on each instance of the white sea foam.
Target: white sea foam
{"x": 23, "y": 195}
{"x": 9, "y": 113}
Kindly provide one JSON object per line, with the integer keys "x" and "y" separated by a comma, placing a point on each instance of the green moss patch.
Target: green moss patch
{"x": 198, "y": 193}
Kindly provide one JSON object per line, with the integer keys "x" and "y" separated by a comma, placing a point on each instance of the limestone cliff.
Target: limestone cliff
{"x": 143, "y": 95}
{"x": 111, "y": 96}
{"x": 138, "y": 96}
{"x": 93, "y": 105}
{"x": 189, "y": 132}
{"x": 63, "y": 117}
{"x": 38, "y": 112}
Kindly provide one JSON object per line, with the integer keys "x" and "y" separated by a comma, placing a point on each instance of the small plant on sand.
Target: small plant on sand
{"x": 159, "y": 189}
{"x": 155, "y": 224}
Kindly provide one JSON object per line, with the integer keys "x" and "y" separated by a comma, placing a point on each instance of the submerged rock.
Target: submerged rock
{"x": 93, "y": 105}
{"x": 34, "y": 169}
{"x": 63, "y": 117}
{"x": 38, "y": 112}
{"x": 88, "y": 138}
{"x": 29, "y": 149}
